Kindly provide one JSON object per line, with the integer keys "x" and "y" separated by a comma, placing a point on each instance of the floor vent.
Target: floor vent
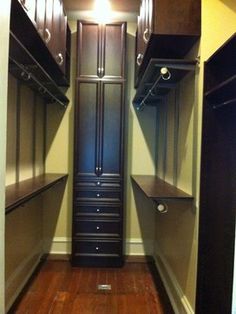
{"x": 104, "y": 287}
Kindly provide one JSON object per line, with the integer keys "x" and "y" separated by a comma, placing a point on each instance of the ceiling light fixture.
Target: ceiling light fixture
{"x": 102, "y": 11}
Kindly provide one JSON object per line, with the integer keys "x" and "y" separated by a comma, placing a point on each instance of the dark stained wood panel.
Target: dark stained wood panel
{"x": 86, "y": 128}
{"x": 21, "y": 192}
{"x": 112, "y": 129}
{"x": 88, "y": 41}
{"x": 157, "y": 189}
{"x": 217, "y": 187}
{"x": 114, "y": 47}
{"x": 166, "y": 29}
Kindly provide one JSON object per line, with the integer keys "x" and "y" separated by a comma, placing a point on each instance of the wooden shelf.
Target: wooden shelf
{"x": 178, "y": 70}
{"x": 223, "y": 92}
{"x": 157, "y": 189}
{"x": 19, "y": 193}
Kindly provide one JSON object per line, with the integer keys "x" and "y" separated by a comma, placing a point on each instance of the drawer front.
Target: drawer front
{"x": 97, "y": 211}
{"x": 96, "y": 195}
{"x": 97, "y": 248}
{"x": 97, "y": 228}
{"x": 98, "y": 184}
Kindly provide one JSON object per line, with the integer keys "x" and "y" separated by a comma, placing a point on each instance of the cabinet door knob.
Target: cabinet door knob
{"x": 98, "y": 195}
{"x": 139, "y": 59}
{"x": 60, "y": 58}
{"x": 48, "y": 35}
{"x": 98, "y": 210}
{"x": 97, "y": 248}
{"x": 98, "y": 228}
{"x": 145, "y": 35}
{"x": 98, "y": 183}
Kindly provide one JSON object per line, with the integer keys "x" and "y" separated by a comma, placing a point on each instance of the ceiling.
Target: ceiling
{"x": 130, "y": 6}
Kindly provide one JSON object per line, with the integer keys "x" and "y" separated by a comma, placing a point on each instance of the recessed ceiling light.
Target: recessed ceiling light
{"x": 102, "y": 11}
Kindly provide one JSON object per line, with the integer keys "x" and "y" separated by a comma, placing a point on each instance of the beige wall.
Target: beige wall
{"x": 177, "y": 231}
{"x": 25, "y": 159}
{"x": 4, "y": 38}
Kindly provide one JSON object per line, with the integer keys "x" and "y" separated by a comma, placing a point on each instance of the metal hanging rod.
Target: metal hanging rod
{"x": 164, "y": 75}
{"x": 27, "y": 76}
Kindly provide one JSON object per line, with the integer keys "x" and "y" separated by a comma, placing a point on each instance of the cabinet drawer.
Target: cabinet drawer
{"x": 97, "y": 210}
{"x": 96, "y": 195}
{"x": 101, "y": 228}
{"x": 97, "y": 248}
{"x": 98, "y": 184}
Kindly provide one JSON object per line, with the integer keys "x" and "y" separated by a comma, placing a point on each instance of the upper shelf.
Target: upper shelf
{"x": 223, "y": 93}
{"x": 21, "y": 192}
{"x": 221, "y": 75}
{"x": 25, "y": 68}
{"x": 177, "y": 69}
{"x": 158, "y": 190}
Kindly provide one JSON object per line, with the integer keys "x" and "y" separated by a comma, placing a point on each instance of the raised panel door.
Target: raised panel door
{"x": 59, "y": 34}
{"x": 62, "y": 37}
{"x": 111, "y": 129}
{"x": 48, "y": 30}
{"x": 89, "y": 39}
{"x": 40, "y": 17}
{"x": 113, "y": 52}
{"x": 87, "y": 129}
{"x": 30, "y": 8}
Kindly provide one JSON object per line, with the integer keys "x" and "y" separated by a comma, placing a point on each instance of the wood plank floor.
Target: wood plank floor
{"x": 59, "y": 288}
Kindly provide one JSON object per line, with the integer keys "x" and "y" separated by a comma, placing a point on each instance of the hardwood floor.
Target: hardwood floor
{"x": 59, "y": 288}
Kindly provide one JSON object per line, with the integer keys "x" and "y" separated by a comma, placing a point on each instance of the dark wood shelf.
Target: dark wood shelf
{"x": 157, "y": 189}
{"x": 223, "y": 92}
{"x": 21, "y": 192}
{"x": 178, "y": 69}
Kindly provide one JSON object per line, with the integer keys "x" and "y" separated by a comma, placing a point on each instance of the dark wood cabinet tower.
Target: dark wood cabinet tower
{"x": 99, "y": 136}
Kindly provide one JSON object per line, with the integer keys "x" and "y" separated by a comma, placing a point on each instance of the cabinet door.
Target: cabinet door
{"x": 58, "y": 45}
{"x": 149, "y": 21}
{"x": 112, "y": 99}
{"x": 40, "y": 17}
{"x": 30, "y": 8}
{"x": 48, "y": 38}
{"x": 87, "y": 129}
{"x": 113, "y": 50}
{"x": 62, "y": 39}
{"x": 89, "y": 50}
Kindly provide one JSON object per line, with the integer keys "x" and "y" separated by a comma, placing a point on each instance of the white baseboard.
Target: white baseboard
{"x": 133, "y": 246}
{"x": 177, "y": 298}
{"x": 58, "y": 245}
{"x": 136, "y": 246}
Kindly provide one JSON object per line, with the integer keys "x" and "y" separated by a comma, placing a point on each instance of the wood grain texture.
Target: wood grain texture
{"x": 59, "y": 288}
{"x": 155, "y": 188}
{"x": 21, "y": 192}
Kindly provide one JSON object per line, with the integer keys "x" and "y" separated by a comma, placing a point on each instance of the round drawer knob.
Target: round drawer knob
{"x": 98, "y": 228}
{"x": 98, "y": 183}
{"x": 98, "y": 210}
{"x": 97, "y": 248}
{"x": 98, "y": 195}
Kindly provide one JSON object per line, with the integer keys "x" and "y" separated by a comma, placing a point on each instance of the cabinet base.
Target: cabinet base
{"x": 91, "y": 261}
